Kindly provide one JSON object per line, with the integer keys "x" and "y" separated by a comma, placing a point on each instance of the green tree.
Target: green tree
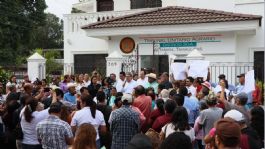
{"x": 18, "y": 20}
{"x": 49, "y": 35}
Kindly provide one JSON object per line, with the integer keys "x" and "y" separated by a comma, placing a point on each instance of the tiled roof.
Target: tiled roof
{"x": 172, "y": 15}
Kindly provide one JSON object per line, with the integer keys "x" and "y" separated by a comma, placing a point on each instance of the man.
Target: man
{"x": 129, "y": 84}
{"x": 26, "y": 79}
{"x": 143, "y": 79}
{"x": 240, "y": 87}
{"x": 249, "y": 137}
{"x": 191, "y": 104}
{"x": 190, "y": 87}
{"x": 161, "y": 121}
{"x": 113, "y": 78}
{"x": 240, "y": 103}
{"x": 120, "y": 82}
{"x": 142, "y": 102}
{"x": 86, "y": 80}
{"x": 165, "y": 80}
{"x": 53, "y": 132}
{"x": 124, "y": 123}
{"x": 152, "y": 82}
{"x": 70, "y": 95}
{"x": 209, "y": 116}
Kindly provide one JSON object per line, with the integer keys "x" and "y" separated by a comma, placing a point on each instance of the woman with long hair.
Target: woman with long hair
{"x": 93, "y": 87}
{"x": 85, "y": 137}
{"x": 30, "y": 117}
{"x": 63, "y": 84}
{"x": 89, "y": 114}
{"x": 179, "y": 123}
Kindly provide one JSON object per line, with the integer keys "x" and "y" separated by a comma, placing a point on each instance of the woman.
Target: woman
{"x": 85, "y": 137}
{"x": 12, "y": 81}
{"x": 63, "y": 84}
{"x": 179, "y": 123}
{"x": 106, "y": 87}
{"x": 89, "y": 114}
{"x": 80, "y": 83}
{"x": 112, "y": 98}
{"x": 93, "y": 87}
{"x": 30, "y": 117}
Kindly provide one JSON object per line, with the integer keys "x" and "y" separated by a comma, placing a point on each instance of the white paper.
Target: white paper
{"x": 249, "y": 82}
{"x": 198, "y": 68}
{"x": 178, "y": 70}
{"x": 171, "y": 59}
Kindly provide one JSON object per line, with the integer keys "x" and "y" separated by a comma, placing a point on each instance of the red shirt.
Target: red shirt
{"x": 154, "y": 115}
{"x": 161, "y": 121}
{"x": 144, "y": 104}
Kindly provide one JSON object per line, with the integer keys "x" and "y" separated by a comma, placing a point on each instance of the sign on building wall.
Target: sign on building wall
{"x": 183, "y": 44}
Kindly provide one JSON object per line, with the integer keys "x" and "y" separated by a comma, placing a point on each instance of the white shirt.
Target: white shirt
{"x": 29, "y": 129}
{"x": 170, "y": 129}
{"x": 192, "y": 90}
{"x": 142, "y": 82}
{"x": 86, "y": 83}
{"x": 84, "y": 116}
{"x": 119, "y": 85}
{"x": 129, "y": 86}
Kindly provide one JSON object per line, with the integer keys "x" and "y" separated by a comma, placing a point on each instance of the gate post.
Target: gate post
{"x": 114, "y": 63}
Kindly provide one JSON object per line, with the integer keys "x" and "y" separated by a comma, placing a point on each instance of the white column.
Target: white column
{"x": 36, "y": 67}
{"x": 114, "y": 63}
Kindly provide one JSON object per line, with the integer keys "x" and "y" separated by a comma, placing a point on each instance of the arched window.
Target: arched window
{"x": 135, "y": 4}
{"x": 104, "y": 5}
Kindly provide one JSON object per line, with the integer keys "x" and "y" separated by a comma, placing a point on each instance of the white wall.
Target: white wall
{"x": 122, "y": 5}
{"x": 226, "y": 5}
{"x": 246, "y": 44}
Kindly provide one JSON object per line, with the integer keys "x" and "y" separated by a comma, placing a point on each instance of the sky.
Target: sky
{"x": 60, "y": 7}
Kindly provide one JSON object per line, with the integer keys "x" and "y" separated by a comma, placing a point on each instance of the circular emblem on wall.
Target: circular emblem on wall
{"x": 127, "y": 45}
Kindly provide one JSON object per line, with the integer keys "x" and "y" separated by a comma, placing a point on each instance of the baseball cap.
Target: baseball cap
{"x": 235, "y": 115}
{"x": 221, "y": 76}
{"x": 140, "y": 141}
{"x": 127, "y": 97}
{"x": 151, "y": 75}
{"x": 207, "y": 85}
{"x": 241, "y": 75}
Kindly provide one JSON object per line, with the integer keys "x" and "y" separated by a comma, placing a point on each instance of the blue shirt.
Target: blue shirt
{"x": 192, "y": 104}
{"x": 69, "y": 98}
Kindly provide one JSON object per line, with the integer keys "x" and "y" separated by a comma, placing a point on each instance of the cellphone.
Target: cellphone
{"x": 47, "y": 89}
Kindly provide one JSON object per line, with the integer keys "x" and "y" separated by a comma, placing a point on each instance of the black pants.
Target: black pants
{"x": 29, "y": 146}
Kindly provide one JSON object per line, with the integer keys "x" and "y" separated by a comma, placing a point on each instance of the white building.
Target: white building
{"x": 224, "y": 38}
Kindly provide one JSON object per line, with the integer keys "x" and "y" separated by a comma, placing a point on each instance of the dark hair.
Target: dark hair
{"x": 257, "y": 120}
{"x": 183, "y": 91}
{"x": 55, "y": 107}
{"x": 44, "y": 80}
{"x": 12, "y": 96}
{"x": 161, "y": 86}
{"x": 205, "y": 91}
{"x": 191, "y": 79}
{"x": 31, "y": 106}
{"x": 101, "y": 96}
{"x": 202, "y": 105}
{"x": 88, "y": 100}
{"x": 172, "y": 92}
{"x": 23, "y": 98}
{"x": 243, "y": 101}
{"x": 117, "y": 100}
{"x": 10, "y": 79}
{"x": 170, "y": 105}
{"x": 226, "y": 83}
{"x": 180, "y": 119}
{"x": 59, "y": 92}
{"x": 119, "y": 94}
{"x": 82, "y": 89}
{"x": 179, "y": 99}
{"x": 122, "y": 73}
{"x": 139, "y": 90}
{"x": 176, "y": 139}
{"x": 166, "y": 74}
{"x": 160, "y": 105}
{"x": 65, "y": 77}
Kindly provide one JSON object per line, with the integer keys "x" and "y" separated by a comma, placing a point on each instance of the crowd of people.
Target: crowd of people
{"x": 130, "y": 112}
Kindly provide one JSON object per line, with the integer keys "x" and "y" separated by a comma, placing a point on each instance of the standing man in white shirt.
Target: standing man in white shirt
{"x": 143, "y": 80}
{"x": 120, "y": 82}
{"x": 129, "y": 84}
{"x": 190, "y": 87}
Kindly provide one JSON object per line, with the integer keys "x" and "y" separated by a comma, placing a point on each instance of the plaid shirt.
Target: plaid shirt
{"x": 52, "y": 132}
{"x": 124, "y": 124}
